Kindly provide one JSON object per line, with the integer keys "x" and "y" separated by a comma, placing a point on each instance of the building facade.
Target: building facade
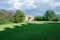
{"x": 29, "y": 18}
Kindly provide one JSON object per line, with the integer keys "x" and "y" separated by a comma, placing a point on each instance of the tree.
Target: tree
{"x": 6, "y": 16}
{"x": 19, "y": 16}
{"x": 50, "y": 14}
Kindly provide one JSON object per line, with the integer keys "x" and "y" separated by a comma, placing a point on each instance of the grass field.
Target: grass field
{"x": 30, "y": 31}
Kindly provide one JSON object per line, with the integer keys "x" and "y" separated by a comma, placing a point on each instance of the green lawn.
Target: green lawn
{"x": 30, "y": 31}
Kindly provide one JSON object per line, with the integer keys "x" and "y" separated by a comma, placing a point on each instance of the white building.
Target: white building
{"x": 29, "y": 18}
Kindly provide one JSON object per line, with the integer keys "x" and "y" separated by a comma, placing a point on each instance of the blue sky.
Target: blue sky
{"x": 31, "y": 7}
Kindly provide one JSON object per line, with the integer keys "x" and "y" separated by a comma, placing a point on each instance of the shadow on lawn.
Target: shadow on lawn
{"x": 32, "y": 32}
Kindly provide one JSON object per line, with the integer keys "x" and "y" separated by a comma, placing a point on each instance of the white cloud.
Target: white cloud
{"x": 57, "y": 4}
{"x": 17, "y": 4}
{"x": 34, "y": 6}
{"x": 30, "y": 3}
{"x": 54, "y": 4}
{"x": 45, "y": 1}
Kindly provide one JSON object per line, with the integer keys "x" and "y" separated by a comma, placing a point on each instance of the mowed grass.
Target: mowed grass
{"x": 30, "y": 31}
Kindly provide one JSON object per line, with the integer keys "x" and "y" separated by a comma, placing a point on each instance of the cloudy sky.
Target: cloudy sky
{"x": 31, "y": 7}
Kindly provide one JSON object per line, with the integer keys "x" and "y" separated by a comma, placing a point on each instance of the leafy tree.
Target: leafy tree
{"x": 50, "y": 14}
{"x": 19, "y": 16}
{"x": 6, "y": 16}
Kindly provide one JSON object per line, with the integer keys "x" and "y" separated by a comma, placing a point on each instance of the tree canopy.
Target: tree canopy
{"x": 6, "y": 16}
{"x": 19, "y": 16}
{"x": 50, "y": 14}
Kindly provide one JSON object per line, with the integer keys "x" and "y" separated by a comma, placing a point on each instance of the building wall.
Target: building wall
{"x": 27, "y": 18}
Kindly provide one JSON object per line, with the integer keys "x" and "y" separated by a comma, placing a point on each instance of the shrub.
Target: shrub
{"x": 39, "y": 18}
{"x": 55, "y": 19}
{"x": 44, "y": 18}
{"x": 58, "y": 18}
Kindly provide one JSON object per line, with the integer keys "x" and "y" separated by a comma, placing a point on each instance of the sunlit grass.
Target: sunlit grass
{"x": 20, "y": 24}
{"x": 10, "y": 25}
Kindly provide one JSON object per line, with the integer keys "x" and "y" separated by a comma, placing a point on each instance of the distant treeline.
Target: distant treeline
{"x": 49, "y": 15}
{"x": 8, "y": 16}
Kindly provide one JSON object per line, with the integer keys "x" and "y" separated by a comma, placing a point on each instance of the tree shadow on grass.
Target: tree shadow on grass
{"x": 32, "y": 32}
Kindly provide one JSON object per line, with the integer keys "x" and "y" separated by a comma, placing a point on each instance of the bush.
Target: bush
{"x": 55, "y": 19}
{"x": 39, "y": 18}
{"x": 45, "y": 19}
{"x": 58, "y": 18}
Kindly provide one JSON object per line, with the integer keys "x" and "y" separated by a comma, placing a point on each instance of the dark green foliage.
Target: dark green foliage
{"x": 49, "y": 15}
{"x": 8, "y": 16}
{"x": 58, "y": 17}
{"x": 39, "y": 18}
{"x": 1, "y": 21}
{"x": 44, "y": 19}
{"x": 19, "y": 16}
{"x": 32, "y": 31}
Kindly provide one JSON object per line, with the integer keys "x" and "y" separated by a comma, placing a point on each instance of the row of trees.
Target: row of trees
{"x": 7, "y": 16}
{"x": 48, "y": 16}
